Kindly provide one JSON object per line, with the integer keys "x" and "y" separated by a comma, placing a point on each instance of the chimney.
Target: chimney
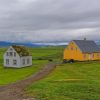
{"x": 85, "y": 39}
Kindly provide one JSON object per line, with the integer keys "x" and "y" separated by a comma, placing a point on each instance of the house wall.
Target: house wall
{"x": 17, "y": 58}
{"x": 92, "y": 56}
{"x": 25, "y": 62}
{"x": 72, "y": 51}
{"x": 11, "y": 58}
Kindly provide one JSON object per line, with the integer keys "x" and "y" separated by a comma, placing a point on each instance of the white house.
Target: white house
{"x": 17, "y": 57}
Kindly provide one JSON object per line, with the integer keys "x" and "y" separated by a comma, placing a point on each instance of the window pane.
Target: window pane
{"x": 7, "y": 54}
{"x": 7, "y": 61}
{"x": 11, "y": 54}
{"x": 71, "y": 48}
{"x": 28, "y": 61}
{"x": 23, "y": 61}
{"x": 84, "y": 56}
{"x": 92, "y": 55}
{"x": 15, "y": 54}
{"x": 14, "y": 62}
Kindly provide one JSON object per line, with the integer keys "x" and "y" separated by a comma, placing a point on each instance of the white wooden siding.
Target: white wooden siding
{"x": 16, "y": 57}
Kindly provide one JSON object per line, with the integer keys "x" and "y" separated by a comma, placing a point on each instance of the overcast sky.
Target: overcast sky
{"x": 49, "y": 20}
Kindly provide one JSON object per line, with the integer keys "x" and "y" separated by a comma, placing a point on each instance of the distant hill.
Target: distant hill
{"x": 30, "y": 44}
{"x": 4, "y": 44}
{"x": 37, "y": 44}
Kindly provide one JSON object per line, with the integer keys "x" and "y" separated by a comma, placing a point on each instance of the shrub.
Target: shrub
{"x": 50, "y": 60}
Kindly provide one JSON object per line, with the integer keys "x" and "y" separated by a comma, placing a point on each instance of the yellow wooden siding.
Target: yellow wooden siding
{"x": 96, "y": 56}
{"x": 72, "y": 51}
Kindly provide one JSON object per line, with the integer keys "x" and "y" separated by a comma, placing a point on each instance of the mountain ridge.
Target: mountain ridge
{"x": 31, "y": 44}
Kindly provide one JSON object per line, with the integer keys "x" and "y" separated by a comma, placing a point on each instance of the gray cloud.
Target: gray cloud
{"x": 49, "y": 20}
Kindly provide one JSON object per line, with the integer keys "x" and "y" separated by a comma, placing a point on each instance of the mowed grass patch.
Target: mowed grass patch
{"x": 77, "y": 81}
{"x": 10, "y": 75}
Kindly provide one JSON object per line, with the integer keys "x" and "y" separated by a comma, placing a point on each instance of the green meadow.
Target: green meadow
{"x": 70, "y": 81}
{"x": 41, "y": 56}
{"x": 77, "y": 81}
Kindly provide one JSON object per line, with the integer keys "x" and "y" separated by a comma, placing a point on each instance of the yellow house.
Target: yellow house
{"x": 82, "y": 50}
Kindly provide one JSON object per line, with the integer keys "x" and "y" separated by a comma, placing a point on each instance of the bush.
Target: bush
{"x": 50, "y": 60}
{"x": 40, "y": 59}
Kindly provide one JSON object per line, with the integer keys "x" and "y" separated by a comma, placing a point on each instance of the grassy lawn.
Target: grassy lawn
{"x": 10, "y": 75}
{"x": 77, "y": 81}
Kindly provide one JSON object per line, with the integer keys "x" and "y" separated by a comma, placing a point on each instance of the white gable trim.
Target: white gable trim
{"x": 9, "y": 51}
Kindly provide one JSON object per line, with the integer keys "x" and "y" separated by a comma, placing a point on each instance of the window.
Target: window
{"x": 84, "y": 56}
{"x": 14, "y": 54}
{"x": 7, "y": 54}
{"x": 11, "y": 49}
{"x": 92, "y": 55}
{"x": 97, "y": 55}
{"x": 7, "y": 61}
{"x": 14, "y": 62}
{"x": 28, "y": 61}
{"x": 23, "y": 61}
{"x": 71, "y": 48}
{"x": 10, "y": 53}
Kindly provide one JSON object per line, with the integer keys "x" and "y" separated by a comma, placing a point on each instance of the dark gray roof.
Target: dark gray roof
{"x": 87, "y": 46}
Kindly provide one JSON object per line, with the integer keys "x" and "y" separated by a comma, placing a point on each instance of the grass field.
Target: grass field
{"x": 71, "y": 81}
{"x": 77, "y": 81}
{"x": 40, "y": 58}
{"x": 54, "y": 53}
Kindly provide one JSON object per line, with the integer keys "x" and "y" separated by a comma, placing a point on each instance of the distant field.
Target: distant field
{"x": 10, "y": 75}
{"x": 55, "y": 53}
{"x": 77, "y": 81}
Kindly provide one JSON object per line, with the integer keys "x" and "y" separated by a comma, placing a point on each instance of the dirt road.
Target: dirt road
{"x": 15, "y": 91}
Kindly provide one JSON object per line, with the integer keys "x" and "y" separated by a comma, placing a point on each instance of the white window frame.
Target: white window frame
{"x": 7, "y": 61}
{"x": 7, "y": 53}
{"x": 28, "y": 60}
{"x": 23, "y": 61}
{"x": 14, "y": 62}
{"x": 10, "y": 53}
{"x": 14, "y": 54}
